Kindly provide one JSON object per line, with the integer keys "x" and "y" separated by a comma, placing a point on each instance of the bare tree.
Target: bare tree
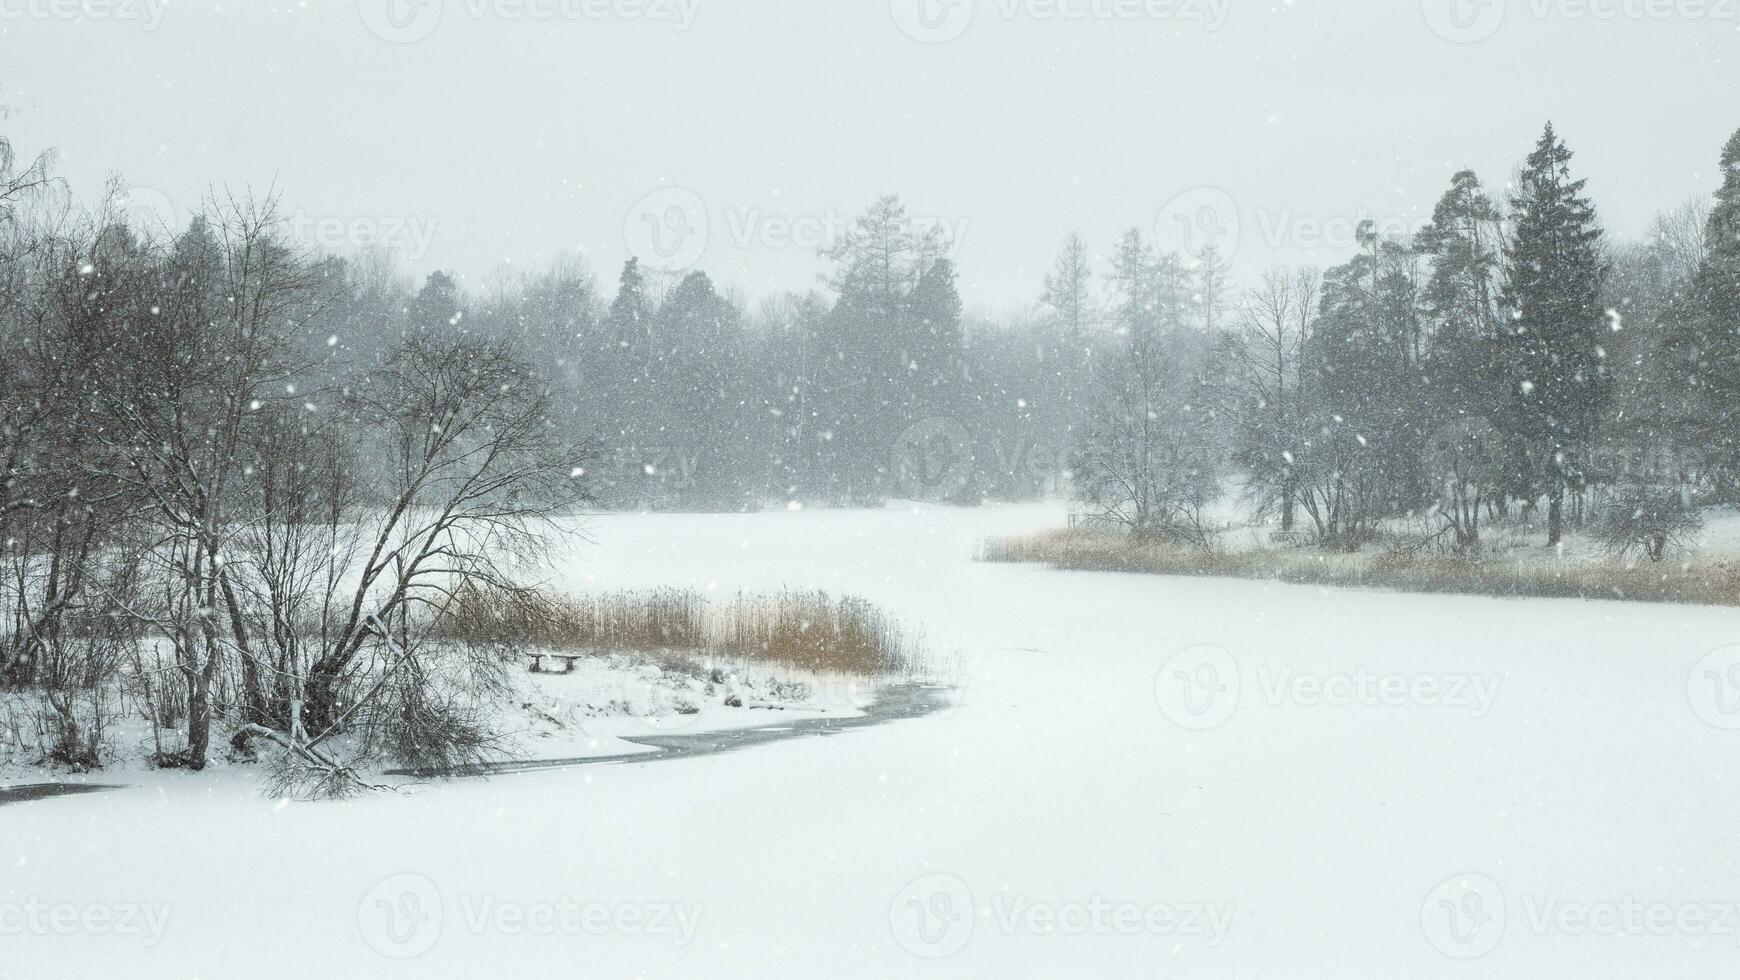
{"x": 464, "y": 481}
{"x": 1149, "y": 460}
{"x": 1467, "y": 455}
{"x": 186, "y": 372}
{"x": 1262, "y": 363}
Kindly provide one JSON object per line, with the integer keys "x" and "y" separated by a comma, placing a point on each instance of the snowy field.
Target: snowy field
{"x": 1143, "y": 777}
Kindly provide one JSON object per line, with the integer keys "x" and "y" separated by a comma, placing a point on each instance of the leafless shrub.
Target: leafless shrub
{"x": 1650, "y": 521}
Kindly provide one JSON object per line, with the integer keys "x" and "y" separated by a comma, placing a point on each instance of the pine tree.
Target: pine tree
{"x": 700, "y": 415}
{"x": 934, "y": 309}
{"x": 437, "y": 304}
{"x": 1463, "y": 389}
{"x": 1718, "y": 282}
{"x": 1069, "y": 296}
{"x": 1463, "y": 242}
{"x": 1709, "y": 353}
{"x": 1557, "y": 319}
{"x": 626, "y": 325}
{"x": 1213, "y": 278}
{"x": 628, "y": 386}
{"x": 1132, "y": 284}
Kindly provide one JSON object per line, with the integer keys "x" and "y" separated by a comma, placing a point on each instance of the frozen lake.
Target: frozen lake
{"x": 1143, "y": 776}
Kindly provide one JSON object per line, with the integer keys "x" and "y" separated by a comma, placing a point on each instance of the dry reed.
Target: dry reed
{"x": 1716, "y": 583}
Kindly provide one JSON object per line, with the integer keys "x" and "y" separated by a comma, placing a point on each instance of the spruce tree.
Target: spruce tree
{"x": 1713, "y": 316}
{"x": 1132, "y": 282}
{"x": 1553, "y": 343}
{"x": 934, "y": 367}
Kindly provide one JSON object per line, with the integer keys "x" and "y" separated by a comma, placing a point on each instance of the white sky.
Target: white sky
{"x": 503, "y": 136}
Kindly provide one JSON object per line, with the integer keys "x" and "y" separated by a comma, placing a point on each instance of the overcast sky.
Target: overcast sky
{"x": 473, "y": 132}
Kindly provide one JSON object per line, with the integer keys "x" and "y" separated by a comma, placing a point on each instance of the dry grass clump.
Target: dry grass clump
{"x": 1511, "y": 575}
{"x": 815, "y": 632}
{"x": 808, "y": 630}
{"x": 656, "y": 619}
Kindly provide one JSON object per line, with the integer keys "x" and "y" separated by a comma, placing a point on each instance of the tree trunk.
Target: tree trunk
{"x": 1556, "y": 517}
{"x": 320, "y": 700}
{"x": 198, "y": 719}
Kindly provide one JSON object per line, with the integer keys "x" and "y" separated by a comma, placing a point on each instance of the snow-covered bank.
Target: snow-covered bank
{"x": 1145, "y": 776}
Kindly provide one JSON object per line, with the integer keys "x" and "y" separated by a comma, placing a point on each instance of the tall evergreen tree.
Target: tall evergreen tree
{"x": 1362, "y": 371}
{"x": 1717, "y": 285}
{"x": 1557, "y": 321}
{"x": 1212, "y": 275}
{"x": 1132, "y": 283}
{"x": 935, "y": 328}
{"x": 1069, "y": 300}
{"x": 628, "y": 321}
{"x": 1700, "y": 346}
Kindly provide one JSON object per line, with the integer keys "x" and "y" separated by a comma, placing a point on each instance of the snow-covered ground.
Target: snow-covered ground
{"x": 1144, "y": 776}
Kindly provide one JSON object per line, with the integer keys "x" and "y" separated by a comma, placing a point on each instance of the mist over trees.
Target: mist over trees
{"x": 244, "y": 478}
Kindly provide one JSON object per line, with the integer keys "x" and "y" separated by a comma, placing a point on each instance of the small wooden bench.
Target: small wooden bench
{"x": 568, "y": 661}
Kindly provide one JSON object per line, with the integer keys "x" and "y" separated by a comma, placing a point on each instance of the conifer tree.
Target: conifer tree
{"x": 1557, "y": 321}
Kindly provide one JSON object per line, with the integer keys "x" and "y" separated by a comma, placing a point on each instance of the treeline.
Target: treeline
{"x": 1508, "y": 360}
{"x": 706, "y": 401}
